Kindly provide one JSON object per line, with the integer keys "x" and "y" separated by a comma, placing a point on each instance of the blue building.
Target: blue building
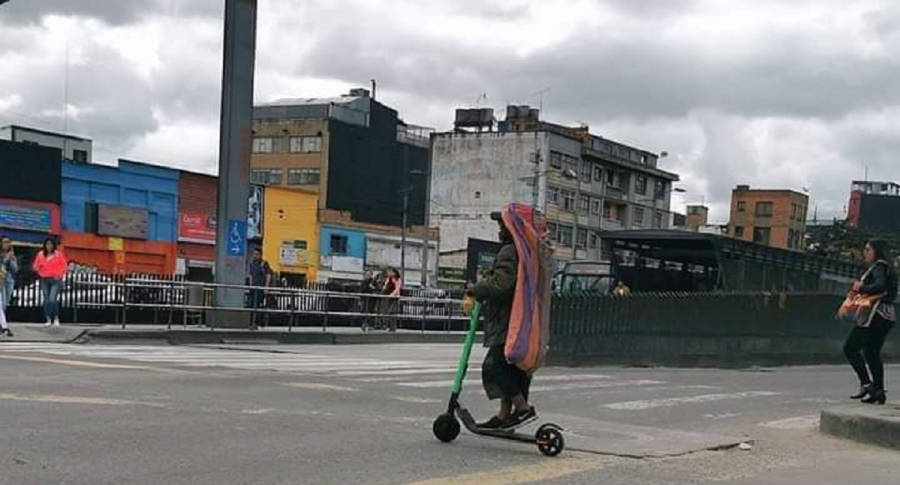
{"x": 151, "y": 190}
{"x": 342, "y": 253}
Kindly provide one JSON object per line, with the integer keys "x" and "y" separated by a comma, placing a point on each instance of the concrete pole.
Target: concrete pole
{"x": 235, "y": 141}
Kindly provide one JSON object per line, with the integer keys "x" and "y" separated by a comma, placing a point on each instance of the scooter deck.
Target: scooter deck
{"x": 507, "y": 434}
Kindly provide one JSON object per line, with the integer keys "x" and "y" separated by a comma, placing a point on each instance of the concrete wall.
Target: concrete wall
{"x": 65, "y": 144}
{"x": 475, "y": 174}
{"x": 349, "y": 265}
{"x": 384, "y": 252}
{"x": 717, "y": 330}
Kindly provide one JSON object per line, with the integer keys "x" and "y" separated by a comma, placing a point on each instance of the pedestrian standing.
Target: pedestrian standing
{"x": 51, "y": 266}
{"x": 260, "y": 275}
{"x": 391, "y": 290}
{"x": 369, "y": 286}
{"x": 11, "y": 265}
{"x": 863, "y": 346}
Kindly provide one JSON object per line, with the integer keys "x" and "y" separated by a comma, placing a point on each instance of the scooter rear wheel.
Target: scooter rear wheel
{"x": 550, "y": 440}
{"x": 446, "y": 428}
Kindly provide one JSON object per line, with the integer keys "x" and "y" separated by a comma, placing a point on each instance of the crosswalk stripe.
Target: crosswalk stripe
{"x": 677, "y": 401}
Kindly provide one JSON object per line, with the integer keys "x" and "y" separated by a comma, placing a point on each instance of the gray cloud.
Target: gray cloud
{"x": 757, "y": 93}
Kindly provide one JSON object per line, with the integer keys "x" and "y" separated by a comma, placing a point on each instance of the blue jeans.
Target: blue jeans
{"x": 8, "y": 289}
{"x": 50, "y": 290}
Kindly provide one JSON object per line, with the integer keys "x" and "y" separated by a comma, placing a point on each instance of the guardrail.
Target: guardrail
{"x": 191, "y": 300}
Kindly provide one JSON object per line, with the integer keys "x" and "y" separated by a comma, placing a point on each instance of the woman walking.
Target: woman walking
{"x": 391, "y": 303}
{"x": 863, "y": 346}
{"x": 50, "y": 265}
{"x": 9, "y": 266}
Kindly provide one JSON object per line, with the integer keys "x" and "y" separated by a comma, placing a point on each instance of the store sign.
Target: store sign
{"x": 121, "y": 221}
{"x": 255, "y": 213}
{"x": 293, "y": 253}
{"x": 345, "y": 264}
{"x": 26, "y": 216}
{"x": 196, "y": 228}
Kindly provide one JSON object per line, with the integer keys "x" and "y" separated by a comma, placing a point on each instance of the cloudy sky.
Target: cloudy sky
{"x": 782, "y": 94}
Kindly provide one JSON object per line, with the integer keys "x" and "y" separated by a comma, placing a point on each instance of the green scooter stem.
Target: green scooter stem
{"x": 467, "y": 349}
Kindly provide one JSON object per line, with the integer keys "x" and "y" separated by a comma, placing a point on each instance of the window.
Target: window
{"x": 568, "y": 200}
{"x": 739, "y": 232}
{"x": 584, "y": 204}
{"x": 266, "y": 176}
{"x": 581, "y": 239}
{"x": 586, "y": 171}
{"x": 598, "y": 173}
{"x": 306, "y": 144}
{"x": 643, "y": 159}
{"x": 638, "y": 216}
{"x": 553, "y": 231}
{"x": 595, "y": 240}
{"x": 763, "y": 209}
{"x": 596, "y": 204}
{"x": 614, "y": 179}
{"x": 565, "y": 235}
{"x": 660, "y": 192}
{"x": 553, "y": 195}
{"x": 741, "y": 206}
{"x": 761, "y": 235}
{"x": 303, "y": 176}
{"x": 640, "y": 185}
{"x": 556, "y": 159}
{"x": 570, "y": 163}
{"x": 266, "y": 145}
{"x": 338, "y": 244}
{"x": 790, "y": 241}
{"x": 695, "y": 211}
{"x": 793, "y": 212}
{"x": 79, "y": 156}
{"x": 658, "y": 220}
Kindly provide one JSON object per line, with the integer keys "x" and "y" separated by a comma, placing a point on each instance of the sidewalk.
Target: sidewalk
{"x": 178, "y": 335}
{"x": 874, "y": 425}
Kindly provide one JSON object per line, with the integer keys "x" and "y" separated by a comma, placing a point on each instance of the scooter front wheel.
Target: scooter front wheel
{"x": 446, "y": 428}
{"x": 549, "y": 439}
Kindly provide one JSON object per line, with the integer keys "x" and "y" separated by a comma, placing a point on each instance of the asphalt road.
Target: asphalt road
{"x": 77, "y": 414}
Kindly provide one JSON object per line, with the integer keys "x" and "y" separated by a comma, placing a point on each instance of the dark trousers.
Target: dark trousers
{"x": 863, "y": 347}
{"x": 257, "y": 302}
{"x": 501, "y": 379}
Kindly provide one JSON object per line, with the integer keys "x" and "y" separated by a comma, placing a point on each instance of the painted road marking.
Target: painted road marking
{"x": 677, "y": 401}
{"x": 546, "y": 470}
{"x": 416, "y": 400}
{"x": 319, "y": 386}
{"x": 798, "y": 423}
{"x": 81, "y": 363}
{"x": 595, "y": 385}
{"x": 75, "y": 400}
{"x": 570, "y": 377}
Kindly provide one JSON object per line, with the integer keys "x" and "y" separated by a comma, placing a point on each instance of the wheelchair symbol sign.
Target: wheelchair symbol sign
{"x": 237, "y": 238}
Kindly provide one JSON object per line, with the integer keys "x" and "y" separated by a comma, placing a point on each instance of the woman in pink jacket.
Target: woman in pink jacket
{"x": 50, "y": 265}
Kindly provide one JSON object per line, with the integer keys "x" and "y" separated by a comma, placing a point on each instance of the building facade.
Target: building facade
{"x": 585, "y": 184}
{"x": 197, "y": 202}
{"x": 875, "y": 208}
{"x": 120, "y": 219}
{"x": 697, "y": 217}
{"x": 74, "y": 148}
{"x": 355, "y": 152}
{"x": 290, "y": 240}
{"x": 775, "y": 218}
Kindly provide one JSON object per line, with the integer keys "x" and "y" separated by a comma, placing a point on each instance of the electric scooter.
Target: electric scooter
{"x": 446, "y": 428}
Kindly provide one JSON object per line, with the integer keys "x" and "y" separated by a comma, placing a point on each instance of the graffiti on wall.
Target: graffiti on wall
{"x": 80, "y": 268}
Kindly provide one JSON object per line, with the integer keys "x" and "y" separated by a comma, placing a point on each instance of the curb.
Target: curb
{"x": 195, "y": 337}
{"x": 874, "y": 425}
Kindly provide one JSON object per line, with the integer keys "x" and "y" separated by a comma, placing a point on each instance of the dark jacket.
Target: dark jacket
{"x": 496, "y": 292}
{"x": 881, "y": 279}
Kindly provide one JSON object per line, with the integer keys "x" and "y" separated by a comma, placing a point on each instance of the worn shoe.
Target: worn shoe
{"x": 520, "y": 418}
{"x": 876, "y": 396}
{"x": 493, "y": 423}
{"x": 863, "y": 391}
{"x": 6, "y": 332}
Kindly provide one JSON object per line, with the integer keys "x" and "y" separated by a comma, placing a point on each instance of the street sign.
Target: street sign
{"x": 237, "y": 238}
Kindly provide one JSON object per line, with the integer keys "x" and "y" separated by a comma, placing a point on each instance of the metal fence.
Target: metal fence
{"x": 154, "y": 299}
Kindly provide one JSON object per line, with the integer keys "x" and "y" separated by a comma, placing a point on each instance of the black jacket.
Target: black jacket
{"x": 881, "y": 279}
{"x": 496, "y": 292}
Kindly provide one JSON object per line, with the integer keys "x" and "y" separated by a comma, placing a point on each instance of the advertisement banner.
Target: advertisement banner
{"x": 29, "y": 216}
{"x": 121, "y": 221}
{"x": 254, "y": 213}
{"x": 196, "y": 228}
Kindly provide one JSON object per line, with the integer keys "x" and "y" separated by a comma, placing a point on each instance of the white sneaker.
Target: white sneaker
{"x": 56, "y": 322}
{"x": 47, "y": 325}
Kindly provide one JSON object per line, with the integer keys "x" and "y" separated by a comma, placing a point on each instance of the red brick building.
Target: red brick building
{"x": 197, "y": 201}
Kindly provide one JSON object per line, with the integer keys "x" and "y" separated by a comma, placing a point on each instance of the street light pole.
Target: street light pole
{"x": 403, "y": 233}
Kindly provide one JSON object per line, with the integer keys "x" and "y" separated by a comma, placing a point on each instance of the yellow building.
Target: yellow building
{"x": 291, "y": 232}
